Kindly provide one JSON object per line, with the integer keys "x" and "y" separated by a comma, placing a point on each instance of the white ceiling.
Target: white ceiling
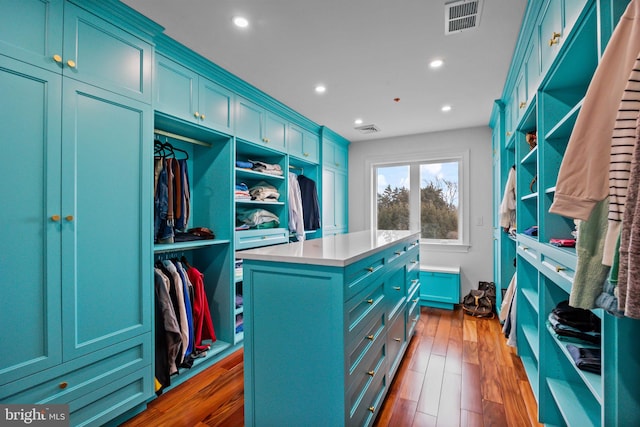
{"x": 366, "y": 52}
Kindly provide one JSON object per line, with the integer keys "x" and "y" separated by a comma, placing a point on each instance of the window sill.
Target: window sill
{"x": 445, "y": 247}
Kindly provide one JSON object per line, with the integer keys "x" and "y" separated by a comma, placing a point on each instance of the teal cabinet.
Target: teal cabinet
{"x": 303, "y": 144}
{"x": 440, "y": 286}
{"x": 255, "y": 124}
{"x": 335, "y": 196}
{"x": 183, "y": 93}
{"x": 64, "y": 38}
{"x": 570, "y": 36}
{"x": 349, "y": 324}
{"x": 85, "y": 314}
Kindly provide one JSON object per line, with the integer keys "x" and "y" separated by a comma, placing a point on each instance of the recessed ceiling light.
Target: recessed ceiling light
{"x": 446, "y": 108}
{"x": 240, "y": 21}
{"x": 436, "y": 63}
{"x": 357, "y": 121}
{"x": 321, "y": 89}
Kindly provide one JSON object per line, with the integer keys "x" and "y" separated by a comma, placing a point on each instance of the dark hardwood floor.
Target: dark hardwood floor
{"x": 457, "y": 372}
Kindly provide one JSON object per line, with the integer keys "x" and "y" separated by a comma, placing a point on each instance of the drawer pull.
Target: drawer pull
{"x": 397, "y": 339}
{"x": 555, "y": 38}
{"x": 397, "y": 288}
{"x": 370, "y": 269}
{"x": 414, "y": 261}
{"x": 372, "y": 408}
{"x": 370, "y": 301}
{"x": 559, "y": 268}
{"x": 414, "y": 281}
{"x": 371, "y": 373}
{"x": 397, "y": 252}
{"x": 63, "y": 385}
{"x": 370, "y": 337}
{"x": 416, "y": 300}
{"x": 522, "y": 105}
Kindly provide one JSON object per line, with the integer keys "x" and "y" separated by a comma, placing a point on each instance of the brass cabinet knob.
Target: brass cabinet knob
{"x": 202, "y": 116}
{"x": 414, "y": 261}
{"x": 71, "y": 63}
{"x": 397, "y": 252}
{"x": 265, "y": 140}
{"x": 372, "y": 409}
{"x": 196, "y": 115}
{"x": 63, "y": 385}
{"x": 555, "y": 39}
{"x": 306, "y": 154}
{"x": 416, "y": 300}
{"x": 508, "y": 133}
{"x": 559, "y": 268}
{"x": 523, "y": 104}
{"x": 414, "y": 281}
{"x": 370, "y": 301}
{"x": 397, "y": 288}
{"x": 55, "y": 218}
{"x": 397, "y": 339}
{"x": 370, "y": 337}
{"x": 371, "y": 373}
{"x": 57, "y": 58}
{"x": 370, "y": 269}
{"x": 69, "y": 217}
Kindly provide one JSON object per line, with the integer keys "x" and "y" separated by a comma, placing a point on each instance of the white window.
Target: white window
{"x": 426, "y": 195}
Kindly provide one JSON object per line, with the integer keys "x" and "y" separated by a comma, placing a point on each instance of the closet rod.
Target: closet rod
{"x": 296, "y": 168}
{"x": 181, "y": 138}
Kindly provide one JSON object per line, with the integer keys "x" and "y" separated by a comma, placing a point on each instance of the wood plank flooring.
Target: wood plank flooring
{"x": 457, "y": 372}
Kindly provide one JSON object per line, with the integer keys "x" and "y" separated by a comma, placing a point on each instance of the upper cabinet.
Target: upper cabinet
{"x": 549, "y": 32}
{"x": 335, "y": 184}
{"x": 256, "y": 124}
{"x": 185, "y": 94}
{"x": 303, "y": 144}
{"x": 64, "y": 38}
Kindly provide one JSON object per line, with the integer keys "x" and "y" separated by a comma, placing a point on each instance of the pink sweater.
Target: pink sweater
{"x": 583, "y": 179}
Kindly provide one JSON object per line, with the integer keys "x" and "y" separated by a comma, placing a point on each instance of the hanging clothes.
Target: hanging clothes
{"x": 181, "y": 307}
{"x": 296, "y": 217}
{"x": 508, "y": 205}
{"x": 583, "y": 176}
{"x": 167, "y": 332}
{"x": 202, "y": 323}
{"x": 310, "y": 204}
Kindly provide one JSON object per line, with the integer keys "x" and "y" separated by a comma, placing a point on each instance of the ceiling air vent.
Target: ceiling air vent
{"x": 461, "y": 15}
{"x": 368, "y": 128}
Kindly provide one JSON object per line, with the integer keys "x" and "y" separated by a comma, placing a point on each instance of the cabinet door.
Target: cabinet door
{"x": 31, "y": 31}
{"x": 302, "y": 144}
{"x": 30, "y": 240}
{"x": 532, "y": 69}
{"x": 104, "y": 55}
{"x": 176, "y": 89}
{"x": 340, "y": 157}
{"x": 215, "y": 106}
{"x": 275, "y": 132}
{"x": 295, "y": 141}
{"x": 106, "y": 219}
{"x": 328, "y": 201}
{"x": 311, "y": 147}
{"x": 550, "y": 33}
{"x": 340, "y": 202}
{"x": 249, "y": 121}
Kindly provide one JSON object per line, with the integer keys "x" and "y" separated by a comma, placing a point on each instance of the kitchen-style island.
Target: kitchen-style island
{"x": 326, "y": 324}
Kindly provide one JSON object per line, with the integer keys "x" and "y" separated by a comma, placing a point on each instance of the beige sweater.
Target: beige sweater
{"x": 583, "y": 179}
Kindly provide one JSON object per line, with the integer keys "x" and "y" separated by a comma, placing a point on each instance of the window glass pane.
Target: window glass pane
{"x": 393, "y": 197}
{"x": 439, "y": 217}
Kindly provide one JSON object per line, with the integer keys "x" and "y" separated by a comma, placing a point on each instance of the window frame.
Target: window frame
{"x": 414, "y": 160}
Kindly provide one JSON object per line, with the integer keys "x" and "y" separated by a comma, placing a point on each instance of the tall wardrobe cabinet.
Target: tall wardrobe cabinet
{"x": 76, "y": 312}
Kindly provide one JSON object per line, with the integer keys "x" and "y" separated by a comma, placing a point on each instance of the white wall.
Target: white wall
{"x": 477, "y": 263}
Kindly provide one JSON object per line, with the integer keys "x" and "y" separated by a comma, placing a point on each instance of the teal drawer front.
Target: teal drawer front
{"x": 360, "y": 379}
{"x": 396, "y": 341}
{"x": 361, "y": 342}
{"x": 362, "y": 307}
{"x": 361, "y": 273}
{"x": 438, "y": 289}
{"x": 256, "y": 238}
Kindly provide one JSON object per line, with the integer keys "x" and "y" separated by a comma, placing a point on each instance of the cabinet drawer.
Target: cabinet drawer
{"x": 361, "y": 340}
{"x": 413, "y": 310}
{"x": 529, "y": 253}
{"x": 370, "y": 403}
{"x": 396, "y": 253}
{"x": 362, "y": 307}
{"x": 396, "y": 341}
{"x": 359, "y": 274}
{"x": 72, "y": 380}
{"x": 362, "y": 373}
{"x": 254, "y": 238}
{"x": 395, "y": 291}
{"x": 559, "y": 272}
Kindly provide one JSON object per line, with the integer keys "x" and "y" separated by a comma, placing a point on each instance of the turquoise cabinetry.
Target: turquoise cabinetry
{"x": 262, "y": 236}
{"x": 570, "y": 37}
{"x": 256, "y": 124}
{"x": 440, "y": 286}
{"x": 335, "y": 184}
{"x": 183, "y": 93}
{"x": 79, "y": 186}
{"x": 351, "y": 316}
{"x": 303, "y": 144}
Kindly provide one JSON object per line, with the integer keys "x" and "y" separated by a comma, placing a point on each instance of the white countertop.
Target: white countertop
{"x": 336, "y": 251}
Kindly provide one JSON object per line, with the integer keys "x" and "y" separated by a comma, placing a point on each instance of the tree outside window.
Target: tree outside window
{"x": 436, "y": 207}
